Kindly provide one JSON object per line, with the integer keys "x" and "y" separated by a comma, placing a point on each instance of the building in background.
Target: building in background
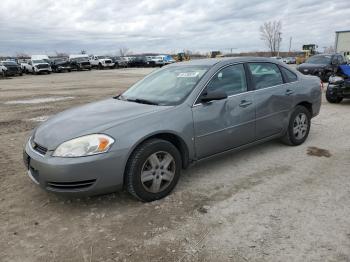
{"x": 342, "y": 43}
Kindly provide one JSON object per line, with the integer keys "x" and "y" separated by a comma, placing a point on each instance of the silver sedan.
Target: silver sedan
{"x": 180, "y": 114}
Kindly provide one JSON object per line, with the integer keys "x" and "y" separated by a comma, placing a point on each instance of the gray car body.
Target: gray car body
{"x": 199, "y": 130}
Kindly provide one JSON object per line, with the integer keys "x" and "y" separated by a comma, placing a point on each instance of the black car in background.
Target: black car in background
{"x": 12, "y": 68}
{"x": 141, "y": 61}
{"x": 119, "y": 62}
{"x": 80, "y": 63}
{"x": 323, "y": 65}
{"x": 59, "y": 65}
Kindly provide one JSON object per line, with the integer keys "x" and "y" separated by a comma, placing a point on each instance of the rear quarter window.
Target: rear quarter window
{"x": 288, "y": 75}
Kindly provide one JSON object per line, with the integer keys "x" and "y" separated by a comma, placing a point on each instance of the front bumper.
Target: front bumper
{"x": 89, "y": 175}
{"x": 39, "y": 70}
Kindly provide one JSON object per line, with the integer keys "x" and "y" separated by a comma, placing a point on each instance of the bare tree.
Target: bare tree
{"x": 22, "y": 55}
{"x": 123, "y": 51}
{"x": 329, "y": 50}
{"x": 61, "y": 54}
{"x": 270, "y": 32}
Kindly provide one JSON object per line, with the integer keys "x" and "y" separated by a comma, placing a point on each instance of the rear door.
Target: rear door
{"x": 273, "y": 99}
{"x": 225, "y": 124}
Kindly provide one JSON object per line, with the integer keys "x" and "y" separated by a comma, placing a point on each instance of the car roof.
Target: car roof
{"x": 224, "y": 60}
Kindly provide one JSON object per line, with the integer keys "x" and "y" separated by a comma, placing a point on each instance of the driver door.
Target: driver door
{"x": 225, "y": 124}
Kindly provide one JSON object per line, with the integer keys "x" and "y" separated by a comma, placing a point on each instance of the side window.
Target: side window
{"x": 289, "y": 75}
{"x": 230, "y": 79}
{"x": 265, "y": 75}
{"x": 340, "y": 60}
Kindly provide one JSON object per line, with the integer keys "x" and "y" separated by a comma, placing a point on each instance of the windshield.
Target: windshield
{"x": 38, "y": 61}
{"x": 9, "y": 63}
{"x": 319, "y": 60}
{"x": 79, "y": 59}
{"x": 167, "y": 86}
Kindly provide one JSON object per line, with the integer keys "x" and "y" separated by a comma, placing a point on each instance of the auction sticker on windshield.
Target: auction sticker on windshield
{"x": 188, "y": 74}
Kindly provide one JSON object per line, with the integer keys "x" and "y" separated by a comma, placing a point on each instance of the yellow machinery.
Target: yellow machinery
{"x": 182, "y": 57}
{"x": 308, "y": 50}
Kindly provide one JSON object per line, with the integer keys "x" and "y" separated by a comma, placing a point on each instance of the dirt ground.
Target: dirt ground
{"x": 267, "y": 203}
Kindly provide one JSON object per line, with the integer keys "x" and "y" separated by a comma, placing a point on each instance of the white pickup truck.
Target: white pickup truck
{"x": 37, "y": 64}
{"x": 101, "y": 62}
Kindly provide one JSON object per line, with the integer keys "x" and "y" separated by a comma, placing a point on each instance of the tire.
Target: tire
{"x": 145, "y": 163}
{"x": 298, "y": 129}
{"x": 326, "y": 76}
{"x": 332, "y": 98}
{"x": 100, "y": 67}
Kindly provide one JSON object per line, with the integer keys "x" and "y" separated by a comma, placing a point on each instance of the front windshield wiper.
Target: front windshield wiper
{"x": 136, "y": 100}
{"x": 142, "y": 101}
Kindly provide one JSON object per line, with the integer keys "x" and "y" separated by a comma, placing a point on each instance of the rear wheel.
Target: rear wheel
{"x": 299, "y": 127}
{"x": 153, "y": 170}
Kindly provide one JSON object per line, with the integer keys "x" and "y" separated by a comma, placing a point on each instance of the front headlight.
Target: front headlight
{"x": 84, "y": 146}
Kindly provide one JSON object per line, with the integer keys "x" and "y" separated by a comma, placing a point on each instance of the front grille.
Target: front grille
{"x": 85, "y": 63}
{"x": 40, "y": 149}
{"x": 108, "y": 61}
{"x": 69, "y": 186}
{"x": 42, "y": 66}
{"x": 12, "y": 69}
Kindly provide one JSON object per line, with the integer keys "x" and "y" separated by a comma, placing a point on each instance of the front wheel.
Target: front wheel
{"x": 332, "y": 98}
{"x": 153, "y": 170}
{"x": 299, "y": 127}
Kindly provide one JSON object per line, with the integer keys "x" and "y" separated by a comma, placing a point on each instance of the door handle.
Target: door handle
{"x": 245, "y": 103}
{"x": 289, "y": 92}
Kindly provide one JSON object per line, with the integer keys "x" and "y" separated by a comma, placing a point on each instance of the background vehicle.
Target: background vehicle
{"x": 44, "y": 58}
{"x": 101, "y": 62}
{"x": 308, "y": 51}
{"x": 10, "y": 68}
{"x": 79, "y": 62}
{"x": 36, "y": 67}
{"x": 3, "y": 70}
{"x": 162, "y": 60}
{"x": 322, "y": 66}
{"x": 180, "y": 57}
{"x": 277, "y": 58}
{"x": 59, "y": 65}
{"x": 214, "y": 105}
{"x": 339, "y": 86}
{"x": 119, "y": 62}
{"x": 289, "y": 60}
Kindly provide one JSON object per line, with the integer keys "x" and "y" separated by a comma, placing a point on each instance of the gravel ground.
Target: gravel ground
{"x": 267, "y": 203}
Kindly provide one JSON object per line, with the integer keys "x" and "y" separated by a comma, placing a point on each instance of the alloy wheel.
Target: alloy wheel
{"x": 158, "y": 172}
{"x": 300, "y": 126}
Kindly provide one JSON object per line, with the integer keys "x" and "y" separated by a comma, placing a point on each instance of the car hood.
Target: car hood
{"x": 89, "y": 119}
{"x": 312, "y": 66}
{"x": 41, "y": 64}
{"x": 62, "y": 63}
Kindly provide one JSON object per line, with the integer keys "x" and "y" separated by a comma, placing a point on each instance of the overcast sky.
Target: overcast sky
{"x": 103, "y": 26}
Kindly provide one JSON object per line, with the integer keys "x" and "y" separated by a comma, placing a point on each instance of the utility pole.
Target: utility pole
{"x": 279, "y": 42}
{"x": 290, "y": 44}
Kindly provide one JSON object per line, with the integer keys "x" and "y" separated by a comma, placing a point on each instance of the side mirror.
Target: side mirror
{"x": 212, "y": 95}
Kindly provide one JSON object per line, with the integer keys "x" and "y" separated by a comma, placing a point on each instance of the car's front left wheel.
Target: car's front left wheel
{"x": 153, "y": 170}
